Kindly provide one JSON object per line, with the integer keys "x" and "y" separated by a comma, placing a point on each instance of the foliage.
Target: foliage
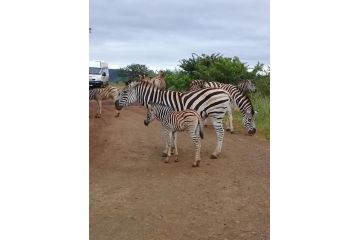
{"x": 215, "y": 67}
{"x": 131, "y": 72}
{"x": 177, "y": 80}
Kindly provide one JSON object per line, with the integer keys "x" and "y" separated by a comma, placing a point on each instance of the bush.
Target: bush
{"x": 177, "y": 80}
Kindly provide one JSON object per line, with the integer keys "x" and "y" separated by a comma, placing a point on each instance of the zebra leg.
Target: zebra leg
{"x": 230, "y": 120}
{"x": 165, "y": 136}
{"x": 98, "y": 113}
{"x": 174, "y": 139}
{"x": 117, "y": 113}
{"x": 218, "y": 126}
{"x": 175, "y": 146}
{"x": 197, "y": 147}
{"x": 169, "y": 143}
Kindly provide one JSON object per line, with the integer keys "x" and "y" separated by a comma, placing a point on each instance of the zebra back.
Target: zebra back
{"x": 174, "y": 120}
{"x": 196, "y": 84}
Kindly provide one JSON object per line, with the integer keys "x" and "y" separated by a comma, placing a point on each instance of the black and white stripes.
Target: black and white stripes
{"x": 246, "y": 86}
{"x": 177, "y": 121}
{"x": 99, "y": 94}
{"x": 242, "y": 102}
{"x": 212, "y": 102}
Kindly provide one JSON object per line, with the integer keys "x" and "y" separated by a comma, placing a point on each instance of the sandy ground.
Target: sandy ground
{"x": 134, "y": 195}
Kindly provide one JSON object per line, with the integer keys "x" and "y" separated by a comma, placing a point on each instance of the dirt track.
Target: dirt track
{"x": 134, "y": 195}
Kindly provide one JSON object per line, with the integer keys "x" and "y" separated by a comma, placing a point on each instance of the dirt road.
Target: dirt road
{"x": 134, "y": 195}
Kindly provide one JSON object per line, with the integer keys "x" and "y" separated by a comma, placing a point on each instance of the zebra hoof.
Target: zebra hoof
{"x": 117, "y": 115}
{"x": 167, "y": 160}
{"x": 232, "y": 132}
{"x": 164, "y": 154}
{"x": 213, "y": 156}
{"x": 228, "y": 129}
{"x": 176, "y": 160}
{"x": 195, "y": 164}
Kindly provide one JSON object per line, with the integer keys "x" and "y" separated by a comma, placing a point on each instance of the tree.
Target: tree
{"x": 215, "y": 67}
{"x": 132, "y": 72}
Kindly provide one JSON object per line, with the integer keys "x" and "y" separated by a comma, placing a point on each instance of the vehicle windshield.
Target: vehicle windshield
{"x": 95, "y": 70}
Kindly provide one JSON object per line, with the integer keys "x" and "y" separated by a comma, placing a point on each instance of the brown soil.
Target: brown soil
{"x": 134, "y": 195}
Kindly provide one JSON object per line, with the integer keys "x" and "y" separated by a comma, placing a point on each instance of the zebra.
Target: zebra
{"x": 242, "y": 101}
{"x": 210, "y": 102}
{"x": 246, "y": 86}
{"x": 173, "y": 121}
{"x": 100, "y": 94}
{"x": 196, "y": 84}
{"x": 158, "y": 81}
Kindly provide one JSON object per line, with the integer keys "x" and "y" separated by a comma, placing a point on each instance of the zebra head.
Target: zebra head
{"x": 127, "y": 96}
{"x": 150, "y": 116}
{"x": 249, "y": 121}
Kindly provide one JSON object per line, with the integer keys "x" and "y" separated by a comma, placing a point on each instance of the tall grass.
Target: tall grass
{"x": 261, "y": 105}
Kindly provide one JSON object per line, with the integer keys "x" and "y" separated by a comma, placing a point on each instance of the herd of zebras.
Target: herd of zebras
{"x": 184, "y": 111}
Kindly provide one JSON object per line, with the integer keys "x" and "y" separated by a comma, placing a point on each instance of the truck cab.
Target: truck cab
{"x": 99, "y": 75}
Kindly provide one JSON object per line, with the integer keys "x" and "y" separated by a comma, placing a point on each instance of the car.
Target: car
{"x": 99, "y": 76}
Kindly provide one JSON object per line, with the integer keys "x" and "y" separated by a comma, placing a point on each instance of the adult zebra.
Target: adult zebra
{"x": 99, "y": 94}
{"x": 196, "y": 84}
{"x": 242, "y": 102}
{"x": 245, "y": 86}
{"x": 211, "y": 102}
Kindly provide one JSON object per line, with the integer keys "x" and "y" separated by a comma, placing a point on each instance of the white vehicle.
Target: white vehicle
{"x": 99, "y": 75}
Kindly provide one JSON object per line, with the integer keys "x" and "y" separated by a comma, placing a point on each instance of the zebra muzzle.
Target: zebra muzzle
{"x": 145, "y": 122}
{"x": 117, "y": 105}
{"x": 252, "y": 131}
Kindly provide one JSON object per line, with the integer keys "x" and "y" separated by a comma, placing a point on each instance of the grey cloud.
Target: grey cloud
{"x": 163, "y": 32}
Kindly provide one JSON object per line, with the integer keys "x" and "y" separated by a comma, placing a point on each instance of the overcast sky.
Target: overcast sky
{"x": 159, "y": 33}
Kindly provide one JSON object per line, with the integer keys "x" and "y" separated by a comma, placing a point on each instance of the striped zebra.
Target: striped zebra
{"x": 177, "y": 121}
{"x": 210, "y": 102}
{"x": 242, "y": 102}
{"x": 158, "y": 81}
{"x": 99, "y": 94}
{"x": 246, "y": 86}
{"x": 196, "y": 84}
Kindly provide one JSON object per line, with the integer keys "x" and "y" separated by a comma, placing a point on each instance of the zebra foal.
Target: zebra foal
{"x": 99, "y": 94}
{"x": 177, "y": 121}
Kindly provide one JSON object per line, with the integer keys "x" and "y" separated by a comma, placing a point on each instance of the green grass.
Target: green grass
{"x": 261, "y": 105}
{"x": 118, "y": 84}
